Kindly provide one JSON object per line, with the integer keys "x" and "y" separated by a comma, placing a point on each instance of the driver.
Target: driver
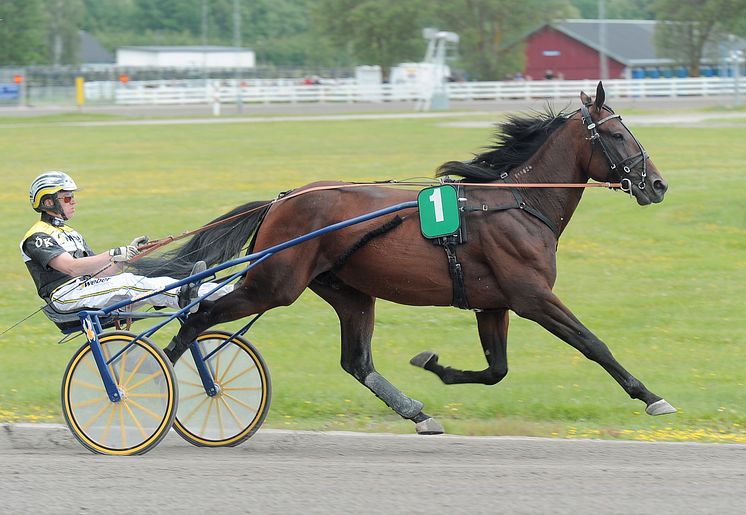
{"x": 70, "y": 277}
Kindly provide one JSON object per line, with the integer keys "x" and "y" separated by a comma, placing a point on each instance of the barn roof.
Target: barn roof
{"x": 627, "y": 41}
{"x": 631, "y": 42}
{"x": 201, "y": 49}
{"x": 91, "y": 51}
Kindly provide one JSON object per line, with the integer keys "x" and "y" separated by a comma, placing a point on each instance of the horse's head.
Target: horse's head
{"x": 616, "y": 155}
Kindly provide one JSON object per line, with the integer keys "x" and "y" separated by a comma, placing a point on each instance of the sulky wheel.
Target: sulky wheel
{"x": 243, "y": 395}
{"x": 145, "y": 379}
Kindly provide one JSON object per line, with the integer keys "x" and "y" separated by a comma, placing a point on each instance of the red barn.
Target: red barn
{"x": 570, "y": 49}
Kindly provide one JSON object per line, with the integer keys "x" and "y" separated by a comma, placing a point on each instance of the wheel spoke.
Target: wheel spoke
{"x": 85, "y": 384}
{"x": 230, "y": 364}
{"x": 191, "y": 413}
{"x": 105, "y": 352}
{"x": 150, "y": 395}
{"x": 199, "y": 385}
{"x": 229, "y": 381}
{"x": 137, "y": 367}
{"x": 249, "y": 388}
{"x": 191, "y": 367}
{"x": 122, "y": 360}
{"x": 220, "y": 418}
{"x": 91, "y": 366}
{"x": 207, "y": 416}
{"x": 239, "y": 401}
{"x": 217, "y": 364}
{"x": 95, "y": 417}
{"x": 122, "y": 427}
{"x": 233, "y": 413}
{"x": 83, "y": 404}
{"x": 147, "y": 411}
{"x": 107, "y": 427}
{"x": 193, "y": 396}
{"x": 137, "y": 422}
{"x": 145, "y": 380}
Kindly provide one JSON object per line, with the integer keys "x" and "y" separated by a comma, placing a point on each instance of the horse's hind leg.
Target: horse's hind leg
{"x": 263, "y": 292}
{"x": 493, "y": 334}
{"x": 356, "y": 312}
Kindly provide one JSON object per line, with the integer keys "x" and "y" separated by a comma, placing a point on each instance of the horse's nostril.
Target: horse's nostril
{"x": 660, "y": 185}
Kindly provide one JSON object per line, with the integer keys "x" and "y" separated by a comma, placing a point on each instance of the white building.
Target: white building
{"x": 186, "y": 57}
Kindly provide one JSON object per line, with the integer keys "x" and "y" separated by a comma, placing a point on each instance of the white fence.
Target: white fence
{"x": 200, "y": 92}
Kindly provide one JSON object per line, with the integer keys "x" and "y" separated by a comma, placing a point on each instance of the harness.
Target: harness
{"x": 450, "y": 242}
{"x": 620, "y": 169}
{"x": 518, "y": 203}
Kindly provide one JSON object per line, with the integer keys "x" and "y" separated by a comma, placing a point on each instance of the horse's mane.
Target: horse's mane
{"x": 516, "y": 140}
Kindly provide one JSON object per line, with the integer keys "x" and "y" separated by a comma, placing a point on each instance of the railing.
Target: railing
{"x": 258, "y": 92}
{"x": 635, "y": 88}
{"x": 227, "y": 92}
{"x": 266, "y": 91}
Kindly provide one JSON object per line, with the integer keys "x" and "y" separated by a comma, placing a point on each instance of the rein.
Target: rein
{"x": 156, "y": 244}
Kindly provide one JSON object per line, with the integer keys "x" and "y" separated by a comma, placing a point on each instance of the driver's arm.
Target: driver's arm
{"x": 99, "y": 265}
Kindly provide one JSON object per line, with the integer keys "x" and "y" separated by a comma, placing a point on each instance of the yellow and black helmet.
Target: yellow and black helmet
{"x": 49, "y": 183}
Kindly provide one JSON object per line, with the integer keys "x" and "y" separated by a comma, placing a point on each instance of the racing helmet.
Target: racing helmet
{"x": 49, "y": 183}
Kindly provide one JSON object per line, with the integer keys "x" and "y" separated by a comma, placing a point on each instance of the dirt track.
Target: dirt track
{"x": 45, "y": 471}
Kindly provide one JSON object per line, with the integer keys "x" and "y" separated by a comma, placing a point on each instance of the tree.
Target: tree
{"x": 492, "y": 31}
{"x": 21, "y": 32}
{"x": 383, "y": 32}
{"x": 168, "y": 16}
{"x": 101, "y": 16}
{"x": 63, "y": 19}
{"x": 686, "y": 26}
{"x": 616, "y": 9}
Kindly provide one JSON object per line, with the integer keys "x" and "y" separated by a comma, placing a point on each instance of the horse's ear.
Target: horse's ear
{"x": 600, "y": 95}
{"x": 585, "y": 99}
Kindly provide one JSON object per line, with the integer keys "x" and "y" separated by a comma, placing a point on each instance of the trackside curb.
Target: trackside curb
{"x": 26, "y": 436}
{"x": 35, "y": 436}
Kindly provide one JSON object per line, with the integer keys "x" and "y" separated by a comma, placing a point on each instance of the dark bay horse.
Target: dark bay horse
{"x": 508, "y": 260}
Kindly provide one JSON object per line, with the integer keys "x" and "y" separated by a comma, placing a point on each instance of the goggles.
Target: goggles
{"x": 66, "y": 198}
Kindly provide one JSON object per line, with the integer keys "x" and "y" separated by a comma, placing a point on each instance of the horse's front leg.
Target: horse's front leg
{"x": 356, "y": 312}
{"x": 547, "y": 310}
{"x": 493, "y": 334}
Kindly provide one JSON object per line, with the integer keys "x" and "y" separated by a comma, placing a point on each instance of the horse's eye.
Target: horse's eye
{"x": 618, "y": 135}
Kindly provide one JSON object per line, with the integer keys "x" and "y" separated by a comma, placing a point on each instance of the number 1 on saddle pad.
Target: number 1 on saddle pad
{"x": 439, "y": 214}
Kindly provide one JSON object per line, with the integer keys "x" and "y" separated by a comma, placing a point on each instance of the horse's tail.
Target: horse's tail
{"x": 214, "y": 245}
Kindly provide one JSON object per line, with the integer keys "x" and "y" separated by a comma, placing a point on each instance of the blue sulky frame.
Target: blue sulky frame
{"x": 91, "y": 319}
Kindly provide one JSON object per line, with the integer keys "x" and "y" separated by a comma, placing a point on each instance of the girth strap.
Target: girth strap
{"x": 456, "y": 272}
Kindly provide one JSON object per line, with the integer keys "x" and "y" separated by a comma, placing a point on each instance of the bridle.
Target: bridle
{"x": 626, "y": 164}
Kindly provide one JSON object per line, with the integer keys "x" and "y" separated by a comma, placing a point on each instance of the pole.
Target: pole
{"x": 237, "y": 45}
{"x": 602, "y": 39}
{"x": 204, "y": 41}
{"x": 737, "y": 60}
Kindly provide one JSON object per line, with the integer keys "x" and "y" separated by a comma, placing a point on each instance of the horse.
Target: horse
{"x": 508, "y": 261}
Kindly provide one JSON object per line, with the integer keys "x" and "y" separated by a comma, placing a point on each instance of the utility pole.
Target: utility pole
{"x": 237, "y": 45}
{"x": 602, "y": 39}
{"x": 204, "y": 41}
{"x": 737, "y": 59}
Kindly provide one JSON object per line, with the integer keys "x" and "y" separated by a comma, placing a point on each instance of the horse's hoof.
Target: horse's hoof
{"x": 423, "y": 358}
{"x": 660, "y": 407}
{"x": 429, "y": 426}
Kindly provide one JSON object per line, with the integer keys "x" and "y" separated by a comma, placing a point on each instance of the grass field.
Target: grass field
{"x": 664, "y": 286}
